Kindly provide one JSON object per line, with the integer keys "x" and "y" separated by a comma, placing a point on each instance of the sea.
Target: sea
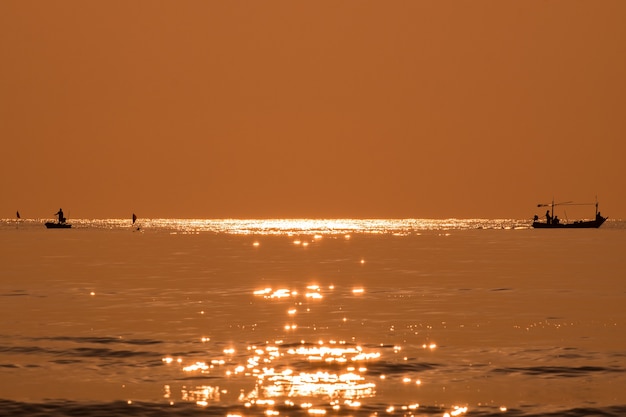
{"x": 301, "y": 317}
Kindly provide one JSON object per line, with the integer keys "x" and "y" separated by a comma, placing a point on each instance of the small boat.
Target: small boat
{"x": 553, "y": 222}
{"x": 57, "y": 225}
{"x": 60, "y": 223}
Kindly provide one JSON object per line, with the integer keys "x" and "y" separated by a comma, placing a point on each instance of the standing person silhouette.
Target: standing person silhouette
{"x": 60, "y": 214}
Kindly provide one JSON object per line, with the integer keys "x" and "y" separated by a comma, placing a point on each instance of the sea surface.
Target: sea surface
{"x": 312, "y": 317}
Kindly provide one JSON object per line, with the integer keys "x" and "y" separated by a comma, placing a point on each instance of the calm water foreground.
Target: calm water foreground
{"x": 286, "y": 317}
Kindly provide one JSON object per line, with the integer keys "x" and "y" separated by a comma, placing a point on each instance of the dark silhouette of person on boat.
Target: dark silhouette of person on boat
{"x": 548, "y": 217}
{"x": 60, "y": 214}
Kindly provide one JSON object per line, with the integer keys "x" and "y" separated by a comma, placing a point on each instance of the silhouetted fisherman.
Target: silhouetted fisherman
{"x": 548, "y": 217}
{"x": 60, "y": 214}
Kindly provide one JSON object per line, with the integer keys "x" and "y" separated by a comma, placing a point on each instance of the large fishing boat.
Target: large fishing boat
{"x": 553, "y": 222}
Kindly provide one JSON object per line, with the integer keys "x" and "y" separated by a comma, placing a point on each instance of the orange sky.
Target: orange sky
{"x": 211, "y": 109}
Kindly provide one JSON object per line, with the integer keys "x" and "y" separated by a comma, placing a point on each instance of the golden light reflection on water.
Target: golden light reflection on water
{"x": 201, "y": 395}
{"x": 312, "y": 292}
{"x": 348, "y": 383}
{"x": 316, "y": 376}
{"x": 293, "y": 227}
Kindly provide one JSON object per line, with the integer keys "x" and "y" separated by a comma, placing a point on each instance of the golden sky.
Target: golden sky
{"x": 247, "y": 109}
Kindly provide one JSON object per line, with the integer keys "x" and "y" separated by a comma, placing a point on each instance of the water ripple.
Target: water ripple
{"x": 559, "y": 371}
{"x": 101, "y": 340}
{"x": 77, "y": 352}
{"x": 131, "y": 409}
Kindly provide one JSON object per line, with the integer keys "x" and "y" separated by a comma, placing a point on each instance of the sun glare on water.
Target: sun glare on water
{"x": 320, "y": 376}
{"x": 316, "y": 229}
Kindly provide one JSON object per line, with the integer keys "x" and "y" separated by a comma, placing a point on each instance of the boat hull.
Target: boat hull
{"x": 589, "y": 224}
{"x": 54, "y": 225}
